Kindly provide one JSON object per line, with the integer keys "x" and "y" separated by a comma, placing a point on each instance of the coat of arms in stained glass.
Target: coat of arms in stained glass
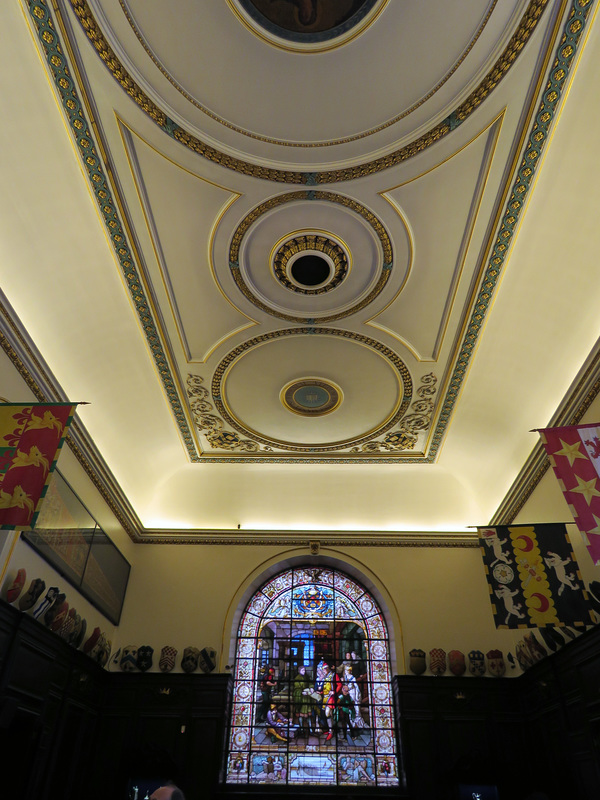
{"x": 312, "y": 699}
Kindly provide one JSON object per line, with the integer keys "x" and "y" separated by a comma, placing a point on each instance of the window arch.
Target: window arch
{"x": 312, "y": 699}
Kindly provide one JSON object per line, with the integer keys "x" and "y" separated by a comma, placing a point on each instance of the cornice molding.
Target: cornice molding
{"x": 582, "y": 393}
{"x": 30, "y": 365}
{"x": 313, "y": 539}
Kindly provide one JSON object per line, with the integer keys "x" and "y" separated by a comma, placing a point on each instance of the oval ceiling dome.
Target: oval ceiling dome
{"x": 323, "y": 81}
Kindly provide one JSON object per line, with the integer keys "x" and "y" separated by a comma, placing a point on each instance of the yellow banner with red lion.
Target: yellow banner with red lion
{"x": 31, "y": 435}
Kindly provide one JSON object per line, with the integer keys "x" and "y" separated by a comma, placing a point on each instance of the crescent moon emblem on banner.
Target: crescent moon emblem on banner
{"x": 544, "y": 602}
{"x": 528, "y": 543}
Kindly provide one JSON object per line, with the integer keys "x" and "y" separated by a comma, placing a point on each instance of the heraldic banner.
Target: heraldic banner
{"x": 574, "y": 453}
{"x": 31, "y": 436}
{"x": 533, "y": 577}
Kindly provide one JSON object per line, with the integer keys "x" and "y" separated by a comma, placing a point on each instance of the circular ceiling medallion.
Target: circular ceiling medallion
{"x": 268, "y": 249}
{"x": 253, "y": 392}
{"x": 311, "y": 397}
{"x": 310, "y": 264}
{"x": 308, "y": 24}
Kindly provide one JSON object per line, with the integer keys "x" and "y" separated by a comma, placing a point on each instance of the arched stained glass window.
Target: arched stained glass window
{"x": 312, "y": 698}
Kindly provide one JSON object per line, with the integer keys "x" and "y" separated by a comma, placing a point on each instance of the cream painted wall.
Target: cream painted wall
{"x": 186, "y": 595}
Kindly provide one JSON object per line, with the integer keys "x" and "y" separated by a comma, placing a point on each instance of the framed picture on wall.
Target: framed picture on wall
{"x": 70, "y": 540}
{"x": 105, "y": 577}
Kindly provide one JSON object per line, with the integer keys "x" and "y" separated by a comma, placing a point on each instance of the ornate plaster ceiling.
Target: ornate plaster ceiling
{"x": 277, "y": 247}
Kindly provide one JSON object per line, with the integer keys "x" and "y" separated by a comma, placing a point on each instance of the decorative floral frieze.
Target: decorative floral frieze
{"x": 210, "y": 425}
{"x": 405, "y": 436}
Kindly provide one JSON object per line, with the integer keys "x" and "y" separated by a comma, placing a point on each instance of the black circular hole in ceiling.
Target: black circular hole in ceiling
{"x": 310, "y": 270}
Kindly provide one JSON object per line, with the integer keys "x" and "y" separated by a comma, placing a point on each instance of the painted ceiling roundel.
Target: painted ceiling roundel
{"x": 271, "y": 237}
{"x": 308, "y": 21}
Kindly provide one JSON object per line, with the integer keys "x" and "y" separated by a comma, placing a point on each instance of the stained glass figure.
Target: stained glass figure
{"x": 312, "y": 699}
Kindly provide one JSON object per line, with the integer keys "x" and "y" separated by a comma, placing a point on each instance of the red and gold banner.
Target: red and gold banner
{"x": 533, "y": 577}
{"x": 574, "y": 453}
{"x": 31, "y": 436}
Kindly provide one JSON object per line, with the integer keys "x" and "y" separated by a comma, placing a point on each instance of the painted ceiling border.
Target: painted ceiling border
{"x": 573, "y": 29}
{"x": 81, "y": 129}
{"x": 536, "y": 140}
{"x": 100, "y": 186}
{"x": 511, "y": 52}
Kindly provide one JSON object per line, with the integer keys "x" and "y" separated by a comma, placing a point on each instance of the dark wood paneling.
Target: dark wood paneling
{"x": 466, "y": 731}
{"x": 169, "y": 726}
{"x": 49, "y": 707}
{"x": 83, "y": 731}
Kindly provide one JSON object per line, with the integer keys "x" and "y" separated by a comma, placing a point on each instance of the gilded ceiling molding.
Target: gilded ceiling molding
{"x": 94, "y": 33}
{"x": 458, "y": 116}
{"x": 312, "y": 194}
{"x": 310, "y": 243}
{"x": 308, "y": 539}
{"x": 289, "y": 197}
{"x": 211, "y": 415}
{"x": 343, "y": 458}
{"x": 405, "y": 437}
{"x": 81, "y": 130}
{"x": 283, "y": 142}
{"x": 209, "y": 424}
{"x": 301, "y": 448}
{"x": 530, "y": 159}
{"x": 100, "y": 185}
